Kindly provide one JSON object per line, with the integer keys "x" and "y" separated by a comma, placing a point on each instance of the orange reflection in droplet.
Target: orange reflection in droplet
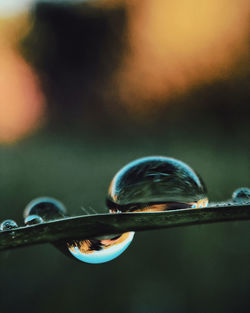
{"x": 176, "y": 45}
{"x": 21, "y": 101}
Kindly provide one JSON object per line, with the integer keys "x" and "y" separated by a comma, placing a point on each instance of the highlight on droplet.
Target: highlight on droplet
{"x": 33, "y": 220}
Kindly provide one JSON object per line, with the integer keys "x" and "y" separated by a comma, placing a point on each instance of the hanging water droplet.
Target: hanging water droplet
{"x": 156, "y": 184}
{"x": 96, "y": 251}
{"x": 8, "y": 224}
{"x": 33, "y": 220}
{"x": 241, "y": 195}
{"x": 46, "y": 207}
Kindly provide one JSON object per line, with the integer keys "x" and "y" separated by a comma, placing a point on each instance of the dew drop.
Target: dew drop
{"x": 241, "y": 195}
{"x": 8, "y": 224}
{"x": 144, "y": 185}
{"x": 96, "y": 251}
{"x": 46, "y": 207}
{"x": 33, "y": 220}
{"x": 156, "y": 184}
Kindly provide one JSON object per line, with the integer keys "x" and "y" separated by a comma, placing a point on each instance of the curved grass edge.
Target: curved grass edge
{"x": 87, "y": 226}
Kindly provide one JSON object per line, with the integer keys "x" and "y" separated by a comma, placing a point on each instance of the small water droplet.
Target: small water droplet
{"x": 46, "y": 207}
{"x": 33, "y": 220}
{"x": 241, "y": 195}
{"x": 8, "y": 224}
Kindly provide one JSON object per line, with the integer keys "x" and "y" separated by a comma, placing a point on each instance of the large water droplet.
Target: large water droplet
{"x": 46, "y": 207}
{"x": 156, "y": 184}
{"x": 241, "y": 195}
{"x": 8, "y": 224}
{"x": 145, "y": 185}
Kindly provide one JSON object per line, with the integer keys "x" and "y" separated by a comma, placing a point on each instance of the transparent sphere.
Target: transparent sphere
{"x": 8, "y": 224}
{"x": 241, "y": 195}
{"x": 156, "y": 184}
{"x": 46, "y": 207}
{"x": 97, "y": 250}
{"x": 33, "y": 220}
{"x": 144, "y": 185}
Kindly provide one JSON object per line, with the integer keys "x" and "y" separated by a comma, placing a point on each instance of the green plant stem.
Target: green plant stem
{"x": 83, "y": 227}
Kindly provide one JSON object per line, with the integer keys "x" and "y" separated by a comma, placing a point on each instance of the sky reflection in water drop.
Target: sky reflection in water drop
{"x": 109, "y": 249}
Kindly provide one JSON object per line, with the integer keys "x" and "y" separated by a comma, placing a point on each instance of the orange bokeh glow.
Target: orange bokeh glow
{"x": 176, "y": 45}
{"x": 21, "y": 101}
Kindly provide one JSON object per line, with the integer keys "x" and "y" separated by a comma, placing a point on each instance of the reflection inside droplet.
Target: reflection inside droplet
{"x": 241, "y": 195}
{"x": 33, "y": 220}
{"x": 8, "y": 224}
{"x": 46, "y": 207}
{"x": 98, "y": 251}
{"x": 154, "y": 184}
{"x": 150, "y": 184}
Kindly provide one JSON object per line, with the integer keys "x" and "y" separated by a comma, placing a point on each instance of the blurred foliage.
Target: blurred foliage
{"x": 89, "y": 135}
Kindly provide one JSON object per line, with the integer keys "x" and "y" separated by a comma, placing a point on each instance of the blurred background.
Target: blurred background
{"x": 88, "y": 86}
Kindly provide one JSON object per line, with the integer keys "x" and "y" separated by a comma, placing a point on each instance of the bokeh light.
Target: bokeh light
{"x": 21, "y": 102}
{"x": 175, "y": 46}
{"x": 21, "y": 99}
{"x": 13, "y": 8}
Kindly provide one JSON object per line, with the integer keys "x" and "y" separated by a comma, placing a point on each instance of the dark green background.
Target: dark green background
{"x": 75, "y": 155}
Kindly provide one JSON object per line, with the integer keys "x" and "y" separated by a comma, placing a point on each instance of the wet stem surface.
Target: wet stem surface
{"x": 84, "y": 227}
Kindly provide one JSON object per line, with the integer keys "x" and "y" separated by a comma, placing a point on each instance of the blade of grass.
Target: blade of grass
{"x": 83, "y": 227}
